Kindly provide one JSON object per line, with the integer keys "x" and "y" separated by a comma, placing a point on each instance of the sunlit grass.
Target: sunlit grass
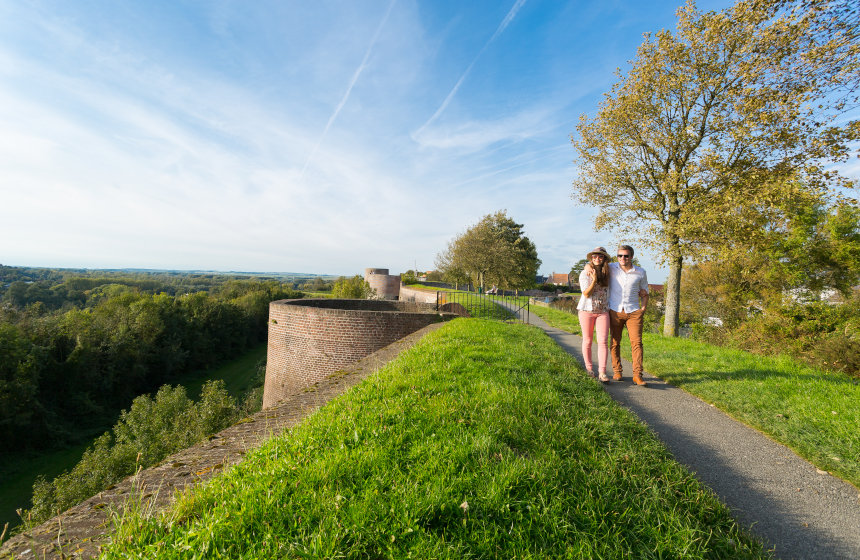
{"x": 480, "y": 306}
{"x": 485, "y": 440}
{"x": 815, "y": 412}
{"x": 557, "y": 318}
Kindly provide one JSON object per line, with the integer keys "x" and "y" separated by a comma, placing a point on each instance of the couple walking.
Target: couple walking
{"x": 614, "y": 296}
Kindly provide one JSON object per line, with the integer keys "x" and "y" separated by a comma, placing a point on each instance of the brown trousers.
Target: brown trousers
{"x": 633, "y": 322}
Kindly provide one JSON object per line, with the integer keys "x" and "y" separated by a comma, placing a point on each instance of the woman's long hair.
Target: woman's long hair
{"x": 601, "y": 274}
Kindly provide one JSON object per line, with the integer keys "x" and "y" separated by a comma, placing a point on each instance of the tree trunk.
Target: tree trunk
{"x": 672, "y": 297}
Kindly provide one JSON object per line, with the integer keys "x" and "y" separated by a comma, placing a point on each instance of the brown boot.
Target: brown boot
{"x": 637, "y": 379}
{"x": 618, "y": 376}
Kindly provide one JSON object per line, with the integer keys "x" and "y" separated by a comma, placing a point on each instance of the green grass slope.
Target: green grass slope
{"x": 814, "y": 412}
{"x": 485, "y": 440}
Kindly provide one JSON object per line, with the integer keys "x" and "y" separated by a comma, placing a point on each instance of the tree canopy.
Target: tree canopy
{"x": 352, "y": 288}
{"x": 493, "y": 251}
{"x": 714, "y": 126}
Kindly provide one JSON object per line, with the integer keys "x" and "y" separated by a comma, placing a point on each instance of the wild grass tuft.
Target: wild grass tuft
{"x": 483, "y": 441}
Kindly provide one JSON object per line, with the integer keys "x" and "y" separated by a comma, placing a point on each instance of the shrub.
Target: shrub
{"x": 252, "y": 400}
{"x": 145, "y": 434}
{"x": 566, "y": 304}
{"x": 818, "y": 333}
{"x": 352, "y": 288}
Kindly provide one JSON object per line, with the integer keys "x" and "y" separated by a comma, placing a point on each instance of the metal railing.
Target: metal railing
{"x": 484, "y": 306}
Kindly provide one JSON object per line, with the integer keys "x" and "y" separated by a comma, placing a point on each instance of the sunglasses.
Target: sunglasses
{"x": 623, "y": 256}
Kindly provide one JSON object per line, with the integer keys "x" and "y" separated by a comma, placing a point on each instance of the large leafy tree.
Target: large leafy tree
{"x": 495, "y": 250}
{"x": 449, "y": 267}
{"x": 804, "y": 256}
{"x": 715, "y": 124}
{"x": 352, "y": 288}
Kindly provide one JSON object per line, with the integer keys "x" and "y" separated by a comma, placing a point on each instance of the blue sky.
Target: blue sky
{"x": 313, "y": 136}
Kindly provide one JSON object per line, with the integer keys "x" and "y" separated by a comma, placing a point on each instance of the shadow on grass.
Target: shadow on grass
{"x": 754, "y": 374}
{"x": 767, "y": 514}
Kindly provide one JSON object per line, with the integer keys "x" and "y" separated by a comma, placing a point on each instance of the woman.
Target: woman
{"x": 594, "y": 309}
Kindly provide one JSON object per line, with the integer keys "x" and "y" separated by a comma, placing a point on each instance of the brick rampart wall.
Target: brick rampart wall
{"x": 387, "y": 286}
{"x": 415, "y": 295}
{"x": 309, "y": 339}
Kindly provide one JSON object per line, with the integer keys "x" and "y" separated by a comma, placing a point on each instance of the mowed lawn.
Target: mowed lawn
{"x": 814, "y": 412}
{"x": 485, "y": 440}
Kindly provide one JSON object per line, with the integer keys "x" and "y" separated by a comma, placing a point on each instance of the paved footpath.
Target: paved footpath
{"x": 799, "y": 510}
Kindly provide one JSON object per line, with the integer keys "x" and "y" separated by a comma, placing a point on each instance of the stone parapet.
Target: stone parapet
{"x": 309, "y": 339}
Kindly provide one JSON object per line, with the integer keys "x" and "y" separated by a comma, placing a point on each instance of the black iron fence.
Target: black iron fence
{"x": 484, "y": 306}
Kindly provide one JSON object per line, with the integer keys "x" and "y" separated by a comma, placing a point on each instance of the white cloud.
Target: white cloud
{"x": 476, "y": 135}
{"x": 143, "y": 147}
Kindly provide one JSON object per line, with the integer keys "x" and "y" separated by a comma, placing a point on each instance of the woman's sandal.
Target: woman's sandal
{"x": 603, "y": 378}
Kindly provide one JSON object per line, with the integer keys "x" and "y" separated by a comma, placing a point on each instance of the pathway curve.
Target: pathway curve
{"x": 799, "y": 510}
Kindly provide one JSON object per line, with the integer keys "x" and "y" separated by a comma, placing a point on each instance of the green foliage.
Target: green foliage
{"x": 767, "y": 290}
{"x": 821, "y": 334}
{"x": 736, "y": 113}
{"x": 577, "y": 269}
{"x": 352, "y": 288}
{"x": 653, "y": 319}
{"x": 409, "y": 277}
{"x": 566, "y": 303}
{"x": 19, "y": 380}
{"x": 493, "y": 251}
{"x": 483, "y": 441}
{"x": 71, "y": 369}
{"x": 318, "y": 284}
{"x": 146, "y": 433}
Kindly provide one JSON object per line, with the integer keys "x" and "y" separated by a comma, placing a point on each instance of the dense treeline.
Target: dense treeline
{"x": 76, "y": 347}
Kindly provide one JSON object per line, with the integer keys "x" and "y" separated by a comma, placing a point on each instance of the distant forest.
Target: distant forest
{"x": 76, "y": 346}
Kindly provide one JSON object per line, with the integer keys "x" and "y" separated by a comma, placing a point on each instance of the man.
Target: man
{"x": 628, "y": 298}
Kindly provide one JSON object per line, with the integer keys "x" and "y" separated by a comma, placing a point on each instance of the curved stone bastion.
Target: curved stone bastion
{"x": 309, "y": 339}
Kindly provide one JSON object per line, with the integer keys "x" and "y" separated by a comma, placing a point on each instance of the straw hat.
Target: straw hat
{"x": 598, "y": 251}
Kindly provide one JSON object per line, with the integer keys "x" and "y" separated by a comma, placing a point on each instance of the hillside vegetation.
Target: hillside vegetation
{"x": 76, "y": 347}
{"x": 485, "y": 440}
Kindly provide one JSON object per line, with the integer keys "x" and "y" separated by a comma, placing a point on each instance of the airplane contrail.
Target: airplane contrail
{"x": 352, "y": 82}
{"x": 502, "y": 26}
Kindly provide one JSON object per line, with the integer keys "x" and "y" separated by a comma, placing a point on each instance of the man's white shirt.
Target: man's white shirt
{"x": 624, "y": 287}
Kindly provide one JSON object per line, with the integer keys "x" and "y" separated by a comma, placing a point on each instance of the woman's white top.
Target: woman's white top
{"x": 598, "y": 302}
